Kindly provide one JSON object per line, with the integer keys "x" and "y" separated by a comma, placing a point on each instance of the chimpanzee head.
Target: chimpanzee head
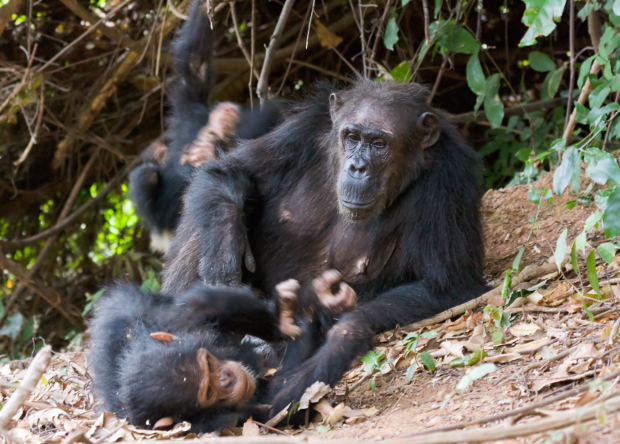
{"x": 186, "y": 380}
{"x": 381, "y": 132}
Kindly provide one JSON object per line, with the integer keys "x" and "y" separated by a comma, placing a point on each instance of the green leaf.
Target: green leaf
{"x": 567, "y": 171}
{"x": 497, "y": 335}
{"x": 588, "y": 312}
{"x": 552, "y": 83}
{"x": 584, "y": 70}
{"x": 476, "y": 373}
{"x": 607, "y": 251}
{"x": 457, "y": 39}
{"x": 580, "y": 242}
{"x": 323, "y": 428}
{"x": 591, "y": 221}
{"x": 411, "y": 370}
{"x": 475, "y": 76}
{"x": 541, "y": 62}
{"x": 591, "y": 272}
{"x": 611, "y": 215}
{"x": 560, "y": 249}
{"x": 604, "y": 170}
{"x": 391, "y": 33}
{"x": 469, "y": 360}
{"x": 610, "y": 40}
{"x": 402, "y": 72}
{"x": 429, "y": 334}
{"x": 493, "y": 106}
{"x": 506, "y": 285}
{"x": 517, "y": 261}
{"x": 428, "y": 360}
{"x": 539, "y": 16}
{"x": 573, "y": 258}
{"x": 598, "y": 95}
{"x": 404, "y": 2}
{"x": 12, "y": 326}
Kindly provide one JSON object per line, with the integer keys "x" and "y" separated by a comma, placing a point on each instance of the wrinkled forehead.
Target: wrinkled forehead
{"x": 371, "y": 112}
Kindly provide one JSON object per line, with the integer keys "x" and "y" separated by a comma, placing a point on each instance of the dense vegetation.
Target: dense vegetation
{"x": 533, "y": 84}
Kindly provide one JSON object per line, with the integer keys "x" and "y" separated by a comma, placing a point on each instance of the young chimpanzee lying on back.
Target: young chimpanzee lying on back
{"x": 160, "y": 360}
{"x": 197, "y": 133}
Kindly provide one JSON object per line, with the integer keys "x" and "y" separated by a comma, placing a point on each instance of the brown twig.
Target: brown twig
{"x": 18, "y": 243}
{"x": 37, "y": 127}
{"x": 89, "y": 30}
{"x": 233, "y": 13}
{"x": 571, "y": 45}
{"x": 308, "y": 17}
{"x": 261, "y": 87}
{"x": 512, "y": 111}
{"x": 77, "y": 186}
{"x": 594, "y": 29}
{"x": 437, "y": 80}
{"x": 528, "y": 273}
{"x": 35, "y": 370}
{"x": 48, "y": 294}
{"x": 91, "y": 109}
{"x": 426, "y": 21}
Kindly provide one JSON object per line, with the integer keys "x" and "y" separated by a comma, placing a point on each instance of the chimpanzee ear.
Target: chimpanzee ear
{"x": 428, "y": 124}
{"x": 334, "y": 105}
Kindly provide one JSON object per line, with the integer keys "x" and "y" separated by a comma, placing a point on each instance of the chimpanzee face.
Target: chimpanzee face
{"x": 378, "y": 151}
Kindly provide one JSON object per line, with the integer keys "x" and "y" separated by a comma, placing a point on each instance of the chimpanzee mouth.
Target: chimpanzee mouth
{"x": 358, "y": 205}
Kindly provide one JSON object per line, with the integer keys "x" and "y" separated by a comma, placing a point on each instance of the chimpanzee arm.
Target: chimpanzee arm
{"x": 237, "y": 310}
{"x": 353, "y": 334}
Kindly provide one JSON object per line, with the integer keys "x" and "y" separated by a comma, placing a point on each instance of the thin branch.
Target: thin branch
{"x": 594, "y": 29}
{"x": 527, "y": 274}
{"x": 437, "y": 80}
{"x": 233, "y": 13}
{"x": 90, "y": 29}
{"x": 261, "y": 87}
{"x": 35, "y": 370}
{"x": 308, "y": 17}
{"x": 19, "y": 243}
{"x": 520, "y": 410}
{"x": 511, "y": 111}
{"x": 426, "y": 21}
{"x": 48, "y": 294}
{"x": 37, "y": 127}
{"x": 571, "y": 45}
{"x": 327, "y": 72}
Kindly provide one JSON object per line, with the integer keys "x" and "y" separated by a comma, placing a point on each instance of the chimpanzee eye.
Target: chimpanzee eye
{"x": 379, "y": 144}
{"x": 353, "y": 137}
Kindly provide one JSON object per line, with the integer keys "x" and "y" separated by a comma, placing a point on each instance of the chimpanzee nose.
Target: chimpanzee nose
{"x": 357, "y": 168}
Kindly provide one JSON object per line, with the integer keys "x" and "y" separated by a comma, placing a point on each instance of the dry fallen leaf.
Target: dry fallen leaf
{"x": 528, "y": 347}
{"x": 524, "y": 329}
{"x": 250, "y": 428}
{"x": 572, "y": 368}
{"x": 331, "y": 415}
{"x": 505, "y": 357}
{"x": 327, "y": 39}
{"x": 455, "y": 348}
{"x": 313, "y": 394}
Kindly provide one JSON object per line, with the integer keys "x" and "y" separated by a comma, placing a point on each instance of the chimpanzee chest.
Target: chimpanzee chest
{"x": 301, "y": 234}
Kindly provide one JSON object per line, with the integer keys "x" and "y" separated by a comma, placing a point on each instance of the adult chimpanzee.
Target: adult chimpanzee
{"x": 197, "y": 132}
{"x": 370, "y": 181}
{"x": 158, "y": 360}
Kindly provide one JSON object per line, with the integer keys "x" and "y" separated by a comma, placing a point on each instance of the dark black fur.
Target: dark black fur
{"x": 276, "y": 199}
{"x": 143, "y": 379}
{"x": 156, "y": 188}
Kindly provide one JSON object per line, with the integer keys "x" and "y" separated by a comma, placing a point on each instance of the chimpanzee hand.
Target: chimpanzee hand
{"x": 343, "y": 300}
{"x": 226, "y": 250}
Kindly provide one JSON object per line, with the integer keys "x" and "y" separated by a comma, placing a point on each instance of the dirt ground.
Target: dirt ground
{"x": 550, "y": 355}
